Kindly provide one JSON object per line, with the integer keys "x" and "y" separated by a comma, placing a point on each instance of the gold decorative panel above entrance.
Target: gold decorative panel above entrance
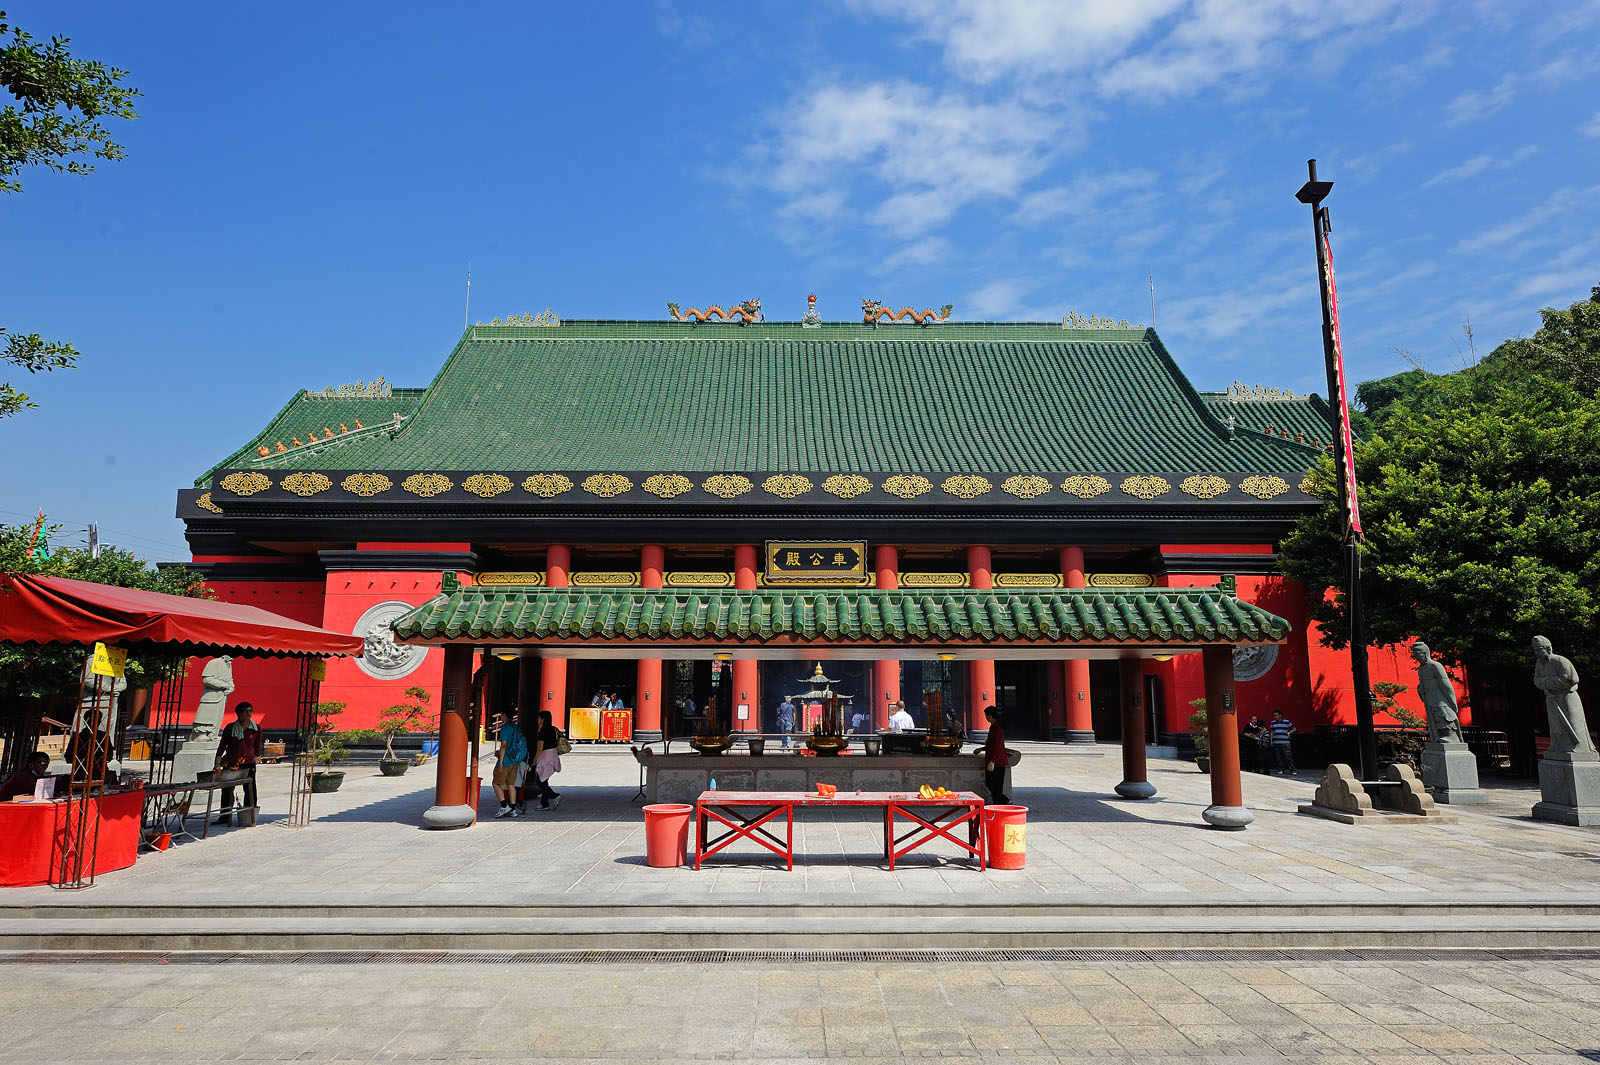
{"x": 816, "y": 562}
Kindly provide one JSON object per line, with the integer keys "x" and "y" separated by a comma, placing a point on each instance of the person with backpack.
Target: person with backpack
{"x": 510, "y": 766}
{"x": 547, "y": 743}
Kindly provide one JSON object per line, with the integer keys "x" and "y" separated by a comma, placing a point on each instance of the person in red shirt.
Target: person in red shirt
{"x": 995, "y": 758}
{"x": 239, "y": 749}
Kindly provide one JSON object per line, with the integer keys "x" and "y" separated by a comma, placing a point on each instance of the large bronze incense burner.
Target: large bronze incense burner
{"x": 827, "y": 735}
{"x": 712, "y": 738}
{"x": 941, "y": 739}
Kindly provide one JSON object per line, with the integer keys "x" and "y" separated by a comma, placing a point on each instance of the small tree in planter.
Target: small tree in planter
{"x": 1406, "y": 747}
{"x": 329, "y": 745}
{"x": 1200, "y": 734}
{"x": 401, "y": 719}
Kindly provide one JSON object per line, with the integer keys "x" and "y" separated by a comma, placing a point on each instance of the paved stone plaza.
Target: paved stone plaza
{"x": 1314, "y": 1013}
{"x": 366, "y": 846}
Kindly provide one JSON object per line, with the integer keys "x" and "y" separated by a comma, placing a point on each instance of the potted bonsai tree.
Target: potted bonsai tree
{"x": 399, "y": 720}
{"x": 1199, "y": 734}
{"x": 329, "y": 746}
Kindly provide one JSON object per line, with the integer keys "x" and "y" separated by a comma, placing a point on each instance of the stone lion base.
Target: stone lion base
{"x": 1398, "y": 799}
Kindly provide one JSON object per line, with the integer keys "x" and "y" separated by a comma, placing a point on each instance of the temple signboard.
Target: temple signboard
{"x": 814, "y": 561}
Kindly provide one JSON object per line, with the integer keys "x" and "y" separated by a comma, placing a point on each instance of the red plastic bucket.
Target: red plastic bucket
{"x": 666, "y": 834}
{"x": 162, "y": 842}
{"x": 1005, "y": 829}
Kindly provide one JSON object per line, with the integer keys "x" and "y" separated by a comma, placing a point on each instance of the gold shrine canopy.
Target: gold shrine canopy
{"x": 849, "y": 623}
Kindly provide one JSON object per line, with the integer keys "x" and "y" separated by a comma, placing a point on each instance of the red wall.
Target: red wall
{"x": 348, "y": 595}
{"x": 271, "y": 685}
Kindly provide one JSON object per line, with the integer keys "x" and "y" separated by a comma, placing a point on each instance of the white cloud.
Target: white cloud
{"x": 1555, "y": 284}
{"x": 1591, "y": 128}
{"x": 924, "y": 252}
{"x": 1564, "y": 201}
{"x": 917, "y": 156}
{"x": 1475, "y": 104}
{"x": 997, "y": 298}
{"x": 1083, "y": 195}
{"x": 1479, "y": 163}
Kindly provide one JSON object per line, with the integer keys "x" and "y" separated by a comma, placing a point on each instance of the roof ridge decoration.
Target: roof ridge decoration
{"x": 1239, "y": 391}
{"x": 544, "y": 319}
{"x": 812, "y": 319}
{"x": 746, "y": 311}
{"x": 376, "y": 389}
{"x": 1074, "y": 320}
{"x": 872, "y": 310}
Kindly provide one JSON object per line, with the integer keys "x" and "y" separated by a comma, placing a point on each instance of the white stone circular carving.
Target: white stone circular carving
{"x": 382, "y": 657}
{"x": 1253, "y": 663}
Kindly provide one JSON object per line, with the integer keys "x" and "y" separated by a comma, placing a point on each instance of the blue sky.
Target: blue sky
{"x": 307, "y": 185}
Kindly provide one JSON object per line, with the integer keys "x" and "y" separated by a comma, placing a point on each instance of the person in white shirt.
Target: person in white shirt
{"x": 899, "y": 721}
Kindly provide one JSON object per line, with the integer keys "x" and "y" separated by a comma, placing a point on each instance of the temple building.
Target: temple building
{"x": 697, "y": 511}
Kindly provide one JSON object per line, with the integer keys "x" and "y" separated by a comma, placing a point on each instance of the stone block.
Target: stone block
{"x": 878, "y": 780}
{"x": 780, "y": 780}
{"x": 1570, "y": 788}
{"x": 679, "y": 785}
{"x": 1450, "y": 773}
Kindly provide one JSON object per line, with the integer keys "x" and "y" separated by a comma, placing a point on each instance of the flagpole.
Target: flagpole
{"x": 1312, "y": 193}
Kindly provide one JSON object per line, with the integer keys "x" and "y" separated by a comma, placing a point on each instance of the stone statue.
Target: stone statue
{"x": 1438, "y": 696}
{"x": 1556, "y": 677}
{"x": 216, "y": 682}
{"x": 199, "y": 751}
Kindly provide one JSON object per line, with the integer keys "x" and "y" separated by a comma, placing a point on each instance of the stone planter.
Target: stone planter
{"x": 324, "y": 782}
{"x": 395, "y": 767}
{"x": 756, "y": 744}
{"x": 870, "y": 745}
{"x": 1203, "y": 761}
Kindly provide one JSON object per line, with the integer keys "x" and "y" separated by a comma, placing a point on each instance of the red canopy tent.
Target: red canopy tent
{"x": 36, "y": 609}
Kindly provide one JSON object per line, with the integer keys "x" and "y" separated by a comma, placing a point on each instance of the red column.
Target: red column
{"x": 1080, "y": 712}
{"x": 980, "y": 672}
{"x": 450, "y": 806}
{"x": 746, "y": 675}
{"x": 1055, "y": 677}
{"x": 1135, "y": 776}
{"x": 1227, "y": 808}
{"x": 647, "y": 692}
{"x": 886, "y": 674}
{"x": 553, "y": 670}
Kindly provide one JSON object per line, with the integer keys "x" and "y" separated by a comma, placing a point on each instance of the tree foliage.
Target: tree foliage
{"x": 52, "y": 671}
{"x": 1480, "y": 494}
{"x": 53, "y": 121}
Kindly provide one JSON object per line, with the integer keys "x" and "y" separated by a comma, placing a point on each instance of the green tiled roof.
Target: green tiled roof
{"x": 307, "y": 413}
{"x": 1307, "y": 415}
{"x": 774, "y": 397}
{"x": 1168, "y": 616}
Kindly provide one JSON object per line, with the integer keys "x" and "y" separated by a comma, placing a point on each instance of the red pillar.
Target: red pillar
{"x": 980, "y": 672}
{"x": 647, "y": 691}
{"x": 1135, "y": 776}
{"x": 1227, "y": 808}
{"x": 746, "y": 675}
{"x": 1080, "y": 712}
{"x": 451, "y": 808}
{"x": 886, "y": 675}
{"x": 1055, "y": 677}
{"x": 553, "y": 670}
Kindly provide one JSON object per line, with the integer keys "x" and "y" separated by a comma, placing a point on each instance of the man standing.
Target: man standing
{"x": 1250, "y": 749}
{"x": 786, "y": 719}
{"x": 1282, "y": 729}
{"x": 899, "y": 721}
{"x": 239, "y": 748}
{"x": 510, "y": 765}
{"x": 995, "y": 758}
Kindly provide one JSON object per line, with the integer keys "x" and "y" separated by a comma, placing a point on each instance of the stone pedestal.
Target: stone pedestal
{"x": 1450, "y": 773}
{"x": 196, "y": 756}
{"x": 1570, "y": 785}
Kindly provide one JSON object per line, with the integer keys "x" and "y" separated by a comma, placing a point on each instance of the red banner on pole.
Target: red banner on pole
{"x": 1343, "y": 397}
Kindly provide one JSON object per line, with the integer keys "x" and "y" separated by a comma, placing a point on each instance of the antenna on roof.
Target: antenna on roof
{"x": 466, "y": 315}
{"x": 1152, "y": 299}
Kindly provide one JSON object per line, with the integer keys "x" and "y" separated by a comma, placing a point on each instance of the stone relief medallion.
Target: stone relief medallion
{"x": 381, "y": 657}
{"x": 1253, "y": 663}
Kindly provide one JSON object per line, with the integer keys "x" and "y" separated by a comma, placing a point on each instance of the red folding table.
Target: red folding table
{"x": 746, "y": 815}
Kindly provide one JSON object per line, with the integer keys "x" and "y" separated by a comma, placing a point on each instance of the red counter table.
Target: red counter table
{"x": 31, "y": 835}
{"x": 745, "y": 815}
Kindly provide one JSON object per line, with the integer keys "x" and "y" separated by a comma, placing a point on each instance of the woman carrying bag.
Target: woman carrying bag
{"x": 548, "y": 746}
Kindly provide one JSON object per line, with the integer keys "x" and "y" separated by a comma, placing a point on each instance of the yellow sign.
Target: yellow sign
{"x": 109, "y": 661}
{"x": 319, "y": 669}
{"x": 816, "y": 562}
{"x": 1016, "y": 839}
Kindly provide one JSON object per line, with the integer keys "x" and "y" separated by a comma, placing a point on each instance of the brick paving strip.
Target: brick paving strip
{"x": 1344, "y": 1012}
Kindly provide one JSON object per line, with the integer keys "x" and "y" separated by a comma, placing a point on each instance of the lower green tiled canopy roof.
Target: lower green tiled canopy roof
{"x": 1181, "y": 617}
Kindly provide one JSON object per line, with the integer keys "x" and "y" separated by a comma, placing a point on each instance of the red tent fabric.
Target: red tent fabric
{"x": 36, "y": 609}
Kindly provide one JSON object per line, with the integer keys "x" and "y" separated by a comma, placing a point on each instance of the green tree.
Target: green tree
{"x": 1480, "y": 495}
{"x": 50, "y": 672}
{"x": 55, "y": 122}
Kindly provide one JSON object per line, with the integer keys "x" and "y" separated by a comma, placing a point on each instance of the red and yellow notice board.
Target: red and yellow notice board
{"x": 616, "y": 726}
{"x": 583, "y": 723}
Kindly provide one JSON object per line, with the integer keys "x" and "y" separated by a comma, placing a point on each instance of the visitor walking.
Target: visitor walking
{"x": 786, "y": 719}
{"x": 510, "y": 766}
{"x": 899, "y": 721}
{"x": 995, "y": 758}
{"x": 240, "y": 748}
{"x": 858, "y": 721}
{"x": 546, "y": 760}
{"x": 1282, "y": 729}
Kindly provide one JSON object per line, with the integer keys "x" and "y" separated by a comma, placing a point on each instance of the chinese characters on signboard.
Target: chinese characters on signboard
{"x": 816, "y": 562}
